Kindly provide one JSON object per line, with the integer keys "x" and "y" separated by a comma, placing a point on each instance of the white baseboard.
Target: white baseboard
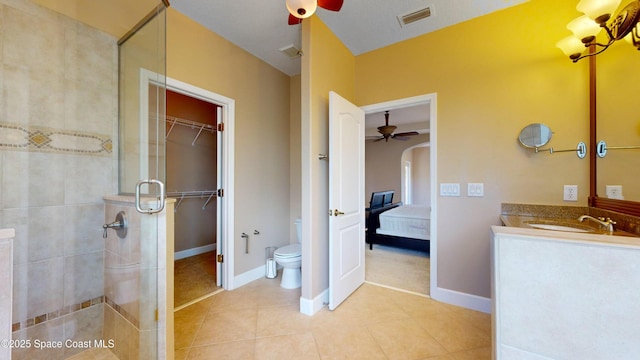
{"x": 465, "y": 300}
{"x": 194, "y": 251}
{"x": 311, "y": 306}
{"x": 249, "y": 276}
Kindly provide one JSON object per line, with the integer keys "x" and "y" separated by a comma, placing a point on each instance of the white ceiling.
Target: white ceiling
{"x": 260, "y": 26}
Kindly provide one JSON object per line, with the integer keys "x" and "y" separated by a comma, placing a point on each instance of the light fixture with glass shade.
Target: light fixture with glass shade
{"x": 597, "y": 15}
{"x": 301, "y": 9}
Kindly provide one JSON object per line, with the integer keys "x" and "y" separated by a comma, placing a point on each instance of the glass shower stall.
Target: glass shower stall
{"x": 81, "y": 124}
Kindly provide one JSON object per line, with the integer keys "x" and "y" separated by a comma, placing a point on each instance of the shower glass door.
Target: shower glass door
{"x": 139, "y": 266}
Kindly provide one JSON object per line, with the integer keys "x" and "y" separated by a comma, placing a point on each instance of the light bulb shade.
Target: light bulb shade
{"x": 301, "y": 9}
{"x": 584, "y": 27}
{"x": 571, "y": 46}
{"x": 596, "y": 8}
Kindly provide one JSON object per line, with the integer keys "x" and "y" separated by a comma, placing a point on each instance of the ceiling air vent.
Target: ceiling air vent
{"x": 414, "y": 16}
{"x": 291, "y": 51}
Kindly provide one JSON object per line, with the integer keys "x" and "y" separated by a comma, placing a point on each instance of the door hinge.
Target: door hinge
{"x": 220, "y": 258}
{"x": 221, "y": 127}
{"x": 220, "y": 192}
{"x": 157, "y": 316}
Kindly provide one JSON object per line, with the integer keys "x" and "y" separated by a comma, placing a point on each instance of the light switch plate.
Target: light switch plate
{"x": 475, "y": 189}
{"x": 449, "y": 189}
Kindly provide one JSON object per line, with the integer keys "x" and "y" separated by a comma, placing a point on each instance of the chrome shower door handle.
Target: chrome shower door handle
{"x": 161, "y": 199}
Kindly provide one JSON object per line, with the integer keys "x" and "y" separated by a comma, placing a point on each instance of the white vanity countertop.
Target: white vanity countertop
{"x": 7, "y": 234}
{"x": 584, "y": 238}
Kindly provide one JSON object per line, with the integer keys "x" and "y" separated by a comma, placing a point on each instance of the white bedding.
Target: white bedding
{"x": 411, "y": 221}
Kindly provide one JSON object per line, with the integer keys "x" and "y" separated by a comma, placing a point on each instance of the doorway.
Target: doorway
{"x": 220, "y": 198}
{"x": 192, "y": 173}
{"x": 388, "y": 159}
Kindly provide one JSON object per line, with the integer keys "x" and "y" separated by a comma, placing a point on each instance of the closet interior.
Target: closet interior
{"x": 191, "y": 139}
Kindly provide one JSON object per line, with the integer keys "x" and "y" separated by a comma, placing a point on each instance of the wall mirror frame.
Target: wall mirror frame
{"x": 622, "y": 206}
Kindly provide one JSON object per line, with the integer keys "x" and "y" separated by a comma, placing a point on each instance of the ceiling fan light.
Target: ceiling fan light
{"x": 595, "y": 9}
{"x": 301, "y": 9}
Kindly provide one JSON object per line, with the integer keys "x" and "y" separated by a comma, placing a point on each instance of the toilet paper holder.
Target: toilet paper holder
{"x": 270, "y": 266}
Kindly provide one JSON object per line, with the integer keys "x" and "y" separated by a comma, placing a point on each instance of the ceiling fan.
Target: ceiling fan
{"x": 387, "y": 131}
{"x": 302, "y": 9}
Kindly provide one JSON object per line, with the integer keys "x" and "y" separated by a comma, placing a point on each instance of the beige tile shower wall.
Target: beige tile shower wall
{"x": 58, "y": 118}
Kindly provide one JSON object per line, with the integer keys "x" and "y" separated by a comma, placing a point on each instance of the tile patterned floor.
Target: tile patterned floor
{"x": 194, "y": 277}
{"x": 95, "y": 354}
{"x": 262, "y": 321}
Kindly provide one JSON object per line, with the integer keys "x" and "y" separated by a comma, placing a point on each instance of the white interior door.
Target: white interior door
{"x": 346, "y": 199}
{"x": 219, "y": 249}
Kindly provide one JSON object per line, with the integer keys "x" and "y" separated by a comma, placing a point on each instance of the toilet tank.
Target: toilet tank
{"x": 298, "y": 223}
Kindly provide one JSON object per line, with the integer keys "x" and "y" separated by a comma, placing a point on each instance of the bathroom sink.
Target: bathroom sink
{"x": 558, "y": 227}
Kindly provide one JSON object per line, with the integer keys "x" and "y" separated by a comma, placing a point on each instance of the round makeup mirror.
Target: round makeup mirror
{"x": 535, "y": 135}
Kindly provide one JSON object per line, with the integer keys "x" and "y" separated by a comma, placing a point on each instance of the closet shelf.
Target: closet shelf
{"x": 202, "y": 194}
{"x": 192, "y": 124}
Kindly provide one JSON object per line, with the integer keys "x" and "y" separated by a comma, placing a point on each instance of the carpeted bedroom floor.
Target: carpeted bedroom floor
{"x": 398, "y": 268}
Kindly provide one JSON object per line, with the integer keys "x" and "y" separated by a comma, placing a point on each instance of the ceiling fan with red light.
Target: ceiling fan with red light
{"x": 387, "y": 131}
{"x": 302, "y": 9}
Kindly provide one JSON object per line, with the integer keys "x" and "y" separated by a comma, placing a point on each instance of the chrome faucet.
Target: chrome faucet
{"x": 606, "y": 223}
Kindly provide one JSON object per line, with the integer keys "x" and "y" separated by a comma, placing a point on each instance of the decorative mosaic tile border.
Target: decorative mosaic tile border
{"x": 56, "y": 314}
{"x": 37, "y": 138}
{"x": 71, "y": 309}
{"x": 130, "y": 318}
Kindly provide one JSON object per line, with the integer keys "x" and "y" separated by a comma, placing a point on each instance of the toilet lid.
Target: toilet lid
{"x": 289, "y": 251}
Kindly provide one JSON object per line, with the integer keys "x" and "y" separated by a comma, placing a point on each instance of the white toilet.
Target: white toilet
{"x": 290, "y": 258}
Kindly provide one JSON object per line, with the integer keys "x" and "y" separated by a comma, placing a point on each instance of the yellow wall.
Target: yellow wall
{"x": 201, "y": 58}
{"x": 493, "y": 76}
{"x": 327, "y": 65}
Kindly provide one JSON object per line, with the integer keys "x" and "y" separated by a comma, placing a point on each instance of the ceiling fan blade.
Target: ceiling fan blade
{"x": 294, "y": 20}
{"x": 408, "y": 133}
{"x": 401, "y": 138}
{"x": 333, "y": 5}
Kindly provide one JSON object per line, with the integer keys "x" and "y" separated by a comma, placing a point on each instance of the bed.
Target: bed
{"x": 394, "y": 224}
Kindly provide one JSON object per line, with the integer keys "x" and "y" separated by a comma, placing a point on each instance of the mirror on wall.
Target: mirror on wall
{"x": 618, "y": 122}
{"x": 535, "y": 136}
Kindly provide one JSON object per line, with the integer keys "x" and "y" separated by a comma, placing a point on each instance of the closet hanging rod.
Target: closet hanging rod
{"x": 181, "y": 195}
{"x": 194, "y": 193}
{"x": 189, "y": 123}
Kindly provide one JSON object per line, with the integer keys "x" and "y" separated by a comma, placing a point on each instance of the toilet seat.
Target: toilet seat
{"x": 288, "y": 251}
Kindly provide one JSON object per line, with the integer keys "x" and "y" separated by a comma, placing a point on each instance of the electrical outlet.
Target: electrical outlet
{"x": 571, "y": 193}
{"x": 614, "y": 192}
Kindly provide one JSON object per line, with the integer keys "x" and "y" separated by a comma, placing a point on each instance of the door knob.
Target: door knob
{"x": 337, "y": 212}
